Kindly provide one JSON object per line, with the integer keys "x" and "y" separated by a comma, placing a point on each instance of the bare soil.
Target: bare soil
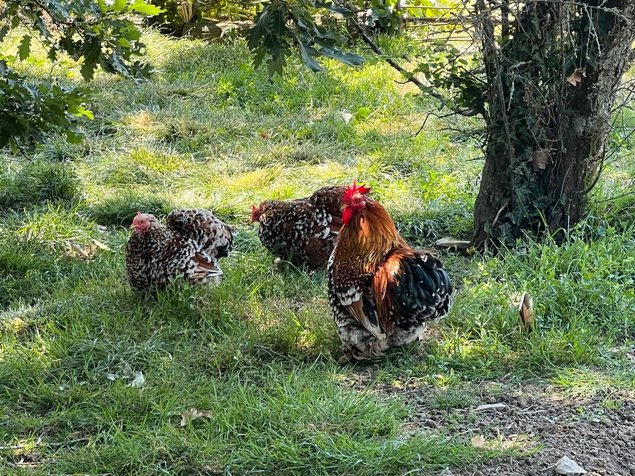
{"x": 541, "y": 422}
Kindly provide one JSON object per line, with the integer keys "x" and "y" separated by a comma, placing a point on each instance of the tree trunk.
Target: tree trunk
{"x": 552, "y": 84}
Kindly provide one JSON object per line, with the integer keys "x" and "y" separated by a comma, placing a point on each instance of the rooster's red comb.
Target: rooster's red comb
{"x": 353, "y": 189}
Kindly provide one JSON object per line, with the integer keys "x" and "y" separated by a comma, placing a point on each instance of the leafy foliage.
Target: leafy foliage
{"x": 99, "y": 34}
{"x": 280, "y": 26}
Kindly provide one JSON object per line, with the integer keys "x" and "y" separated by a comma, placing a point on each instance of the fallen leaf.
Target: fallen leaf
{"x": 138, "y": 381}
{"x": 526, "y": 313}
{"x": 541, "y": 159}
{"x": 102, "y": 246}
{"x": 192, "y": 414}
{"x": 478, "y": 441}
{"x": 362, "y": 114}
{"x": 576, "y": 76}
{"x": 78, "y": 250}
{"x": 347, "y": 116}
{"x": 449, "y": 242}
{"x": 491, "y": 406}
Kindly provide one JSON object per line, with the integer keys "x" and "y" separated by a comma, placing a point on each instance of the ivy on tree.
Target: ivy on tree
{"x": 95, "y": 33}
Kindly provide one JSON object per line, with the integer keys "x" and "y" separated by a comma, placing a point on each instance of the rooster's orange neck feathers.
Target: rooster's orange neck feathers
{"x": 371, "y": 231}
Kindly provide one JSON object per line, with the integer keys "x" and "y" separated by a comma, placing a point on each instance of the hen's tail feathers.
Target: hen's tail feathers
{"x": 206, "y": 268}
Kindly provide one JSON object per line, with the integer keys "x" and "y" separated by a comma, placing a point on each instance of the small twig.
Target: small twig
{"x": 23, "y": 151}
{"x": 13, "y": 447}
{"x": 469, "y": 430}
{"x": 423, "y": 124}
{"x": 622, "y": 195}
{"x": 498, "y": 213}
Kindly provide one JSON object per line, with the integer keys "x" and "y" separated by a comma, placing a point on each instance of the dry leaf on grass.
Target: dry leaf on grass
{"x": 76, "y": 250}
{"x": 449, "y": 242}
{"x": 526, "y": 313}
{"x": 138, "y": 381}
{"x": 194, "y": 413}
{"x": 347, "y": 116}
{"x": 101, "y": 245}
{"x": 519, "y": 442}
{"x": 491, "y": 406}
{"x": 478, "y": 441}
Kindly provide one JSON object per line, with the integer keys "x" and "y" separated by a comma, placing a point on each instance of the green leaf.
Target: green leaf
{"x": 82, "y": 111}
{"x": 350, "y": 59}
{"x": 308, "y": 53}
{"x": 52, "y": 54}
{"x": 24, "y": 50}
{"x": 259, "y": 30}
{"x": 335, "y": 9}
{"x": 119, "y": 5}
{"x": 91, "y": 55}
{"x": 3, "y": 31}
{"x": 73, "y": 135}
{"x": 144, "y": 8}
{"x": 362, "y": 113}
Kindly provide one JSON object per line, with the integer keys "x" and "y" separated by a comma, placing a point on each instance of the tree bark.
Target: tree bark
{"x": 550, "y": 108}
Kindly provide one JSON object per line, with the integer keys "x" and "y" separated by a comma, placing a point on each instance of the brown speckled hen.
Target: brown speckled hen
{"x": 381, "y": 291}
{"x": 190, "y": 245}
{"x": 304, "y": 230}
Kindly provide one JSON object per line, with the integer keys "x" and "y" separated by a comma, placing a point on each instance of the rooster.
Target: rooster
{"x": 302, "y": 231}
{"x": 382, "y": 292}
{"x": 190, "y": 245}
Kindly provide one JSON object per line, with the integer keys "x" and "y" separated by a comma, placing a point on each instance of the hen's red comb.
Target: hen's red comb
{"x": 353, "y": 189}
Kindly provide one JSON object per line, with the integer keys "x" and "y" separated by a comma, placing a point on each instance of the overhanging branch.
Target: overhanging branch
{"x": 410, "y": 77}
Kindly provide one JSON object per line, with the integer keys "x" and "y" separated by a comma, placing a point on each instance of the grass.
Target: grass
{"x": 259, "y": 352}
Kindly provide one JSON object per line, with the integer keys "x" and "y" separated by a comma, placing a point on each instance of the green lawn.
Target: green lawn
{"x": 95, "y": 379}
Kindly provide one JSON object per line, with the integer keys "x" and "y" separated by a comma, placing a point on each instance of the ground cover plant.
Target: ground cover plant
{"x": 243, "y": 378}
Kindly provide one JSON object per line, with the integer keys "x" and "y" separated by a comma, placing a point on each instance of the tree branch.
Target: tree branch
{"x": 410, "y": 77}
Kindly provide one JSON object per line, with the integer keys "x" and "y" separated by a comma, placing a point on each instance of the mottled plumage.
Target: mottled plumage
{"x": 381, "y": 291}
{"x": 190, "y": 245}
{"x": 302, "y": 231}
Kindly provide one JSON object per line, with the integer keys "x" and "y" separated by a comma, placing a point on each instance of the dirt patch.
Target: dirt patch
{"x": 597, "y": 432}
{"x": 599, "y": 438}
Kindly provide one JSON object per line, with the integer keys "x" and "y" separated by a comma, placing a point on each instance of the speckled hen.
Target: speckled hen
{"x": 190, "y": 245}
{"x": 381, "y": 291}
{"x": 304, "y": 230}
